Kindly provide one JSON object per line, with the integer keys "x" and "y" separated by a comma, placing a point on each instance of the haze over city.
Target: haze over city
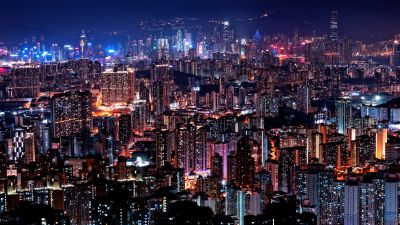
{"x": 361, "y": 19}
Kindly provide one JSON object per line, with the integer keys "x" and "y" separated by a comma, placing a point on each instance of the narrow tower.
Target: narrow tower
{"x": 83, "y": 43}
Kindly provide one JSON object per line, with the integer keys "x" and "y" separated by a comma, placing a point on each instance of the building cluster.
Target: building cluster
{"x": 261, "y": 130}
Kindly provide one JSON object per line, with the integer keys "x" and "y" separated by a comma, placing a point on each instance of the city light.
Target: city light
{"x": 255, "y": 118}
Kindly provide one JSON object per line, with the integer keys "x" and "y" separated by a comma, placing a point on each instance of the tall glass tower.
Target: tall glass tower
{"x": 333, "y": 35}
{"x": 83, "y": 44}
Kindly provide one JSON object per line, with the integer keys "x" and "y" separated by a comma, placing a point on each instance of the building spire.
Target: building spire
{"x": 83, "y": 43}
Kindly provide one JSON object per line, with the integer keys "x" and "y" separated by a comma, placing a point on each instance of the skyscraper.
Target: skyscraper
{"x": 125, "y": 128}
{"x": 391, "y": 202}
{"x": 333, "y": 35}
{"x": 216, "y": 165}
{"x": 71, "y": 113}
{"x": 380, "y": 143}
{"x": 333, "y": 31}
{"x": 343, "y": 114}
{"x": 332, "y": 45}
{"x": 118, "y": 87}
{"x": 161, "y": 76}
{"x": 18, "y": 151}
{"x": 346, "y": 51}
{"x": 179, "y": 42}
{"x": 161, "y": 147}
{"x": 368, "y": 203}
{"x": 82, "y": 44}
{"x": 29, "y": 147}
{"x": 352, "y": 203}
{"x": 24, "y": 82}
{"x": 245, "y": 162}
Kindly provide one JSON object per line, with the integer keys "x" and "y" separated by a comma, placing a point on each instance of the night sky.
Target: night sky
{"x": 360, "y": 19}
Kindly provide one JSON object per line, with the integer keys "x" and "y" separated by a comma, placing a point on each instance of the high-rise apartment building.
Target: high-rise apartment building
{"x": 71, "y": 113}
{"x": 118, "y": 87}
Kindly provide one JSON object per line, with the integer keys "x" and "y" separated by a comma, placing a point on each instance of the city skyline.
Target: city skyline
{"x": 214, "y": 113}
